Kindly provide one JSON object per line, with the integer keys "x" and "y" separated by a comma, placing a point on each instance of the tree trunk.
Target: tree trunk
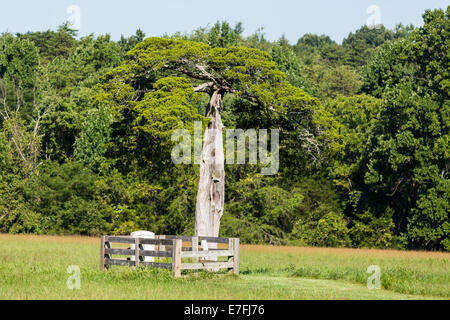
{"x": 211, "y": 184}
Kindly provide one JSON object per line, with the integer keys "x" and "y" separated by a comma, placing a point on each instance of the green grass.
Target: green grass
{"x": 414, "y": 273}
{"x": 36, "y": 268}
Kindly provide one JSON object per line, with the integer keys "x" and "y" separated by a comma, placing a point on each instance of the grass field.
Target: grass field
{"x": 35, "y": 267}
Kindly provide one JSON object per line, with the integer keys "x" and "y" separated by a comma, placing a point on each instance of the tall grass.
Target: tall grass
{"x": 408, "y": 272}
{"x": 34, "y": 267}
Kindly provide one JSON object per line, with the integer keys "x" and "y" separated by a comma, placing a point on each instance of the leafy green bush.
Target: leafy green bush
{"x": 329, "y": 231}
{"x": 65, "y": 196}
{"x": 369, "y": 231}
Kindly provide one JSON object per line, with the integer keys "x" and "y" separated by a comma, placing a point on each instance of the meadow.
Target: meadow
{"x": 35, "y": 267}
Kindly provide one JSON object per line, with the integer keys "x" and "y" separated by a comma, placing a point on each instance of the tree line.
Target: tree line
{"x": 86, "y": 124}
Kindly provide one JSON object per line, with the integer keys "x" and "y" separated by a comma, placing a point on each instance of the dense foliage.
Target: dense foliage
{"x": 86, "y": 124}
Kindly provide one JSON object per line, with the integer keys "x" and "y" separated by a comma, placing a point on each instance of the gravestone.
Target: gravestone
{"x": 149, "y": 247}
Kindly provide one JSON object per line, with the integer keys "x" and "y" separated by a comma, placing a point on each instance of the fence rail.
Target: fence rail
{"x": 202, "y": 253}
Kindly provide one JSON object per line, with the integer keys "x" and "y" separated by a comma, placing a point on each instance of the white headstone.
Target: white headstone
{"x": 204, "y": 245}
{"x": 149, "y": 247}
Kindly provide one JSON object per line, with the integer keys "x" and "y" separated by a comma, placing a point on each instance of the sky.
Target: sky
{"x": 291, "y": 18}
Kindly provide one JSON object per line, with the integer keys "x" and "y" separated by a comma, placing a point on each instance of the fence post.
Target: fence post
{"x": 136, "y": 252}
{"x": 102, "y": 253}
{"x": 162, "y": 247}
{"x": 230, "y": 248}
{"x": 236, "y": 256}
{"x": 107, "y": 255}
{"x": 176, "y": 257}
{"x": 195, "y": 247}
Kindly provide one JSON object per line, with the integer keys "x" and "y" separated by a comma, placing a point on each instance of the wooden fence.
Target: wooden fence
{"x": 184, "y": 253}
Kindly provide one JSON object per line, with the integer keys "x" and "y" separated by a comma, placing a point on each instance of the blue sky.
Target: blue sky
{"x": 278, "y": 17}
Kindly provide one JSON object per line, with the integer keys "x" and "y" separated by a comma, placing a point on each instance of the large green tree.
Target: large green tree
{"x": 53, "y": 44}
{"x": 161, "y": 75}
{"x": 408, "y": 163}
{"x": 362, "y": 43}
